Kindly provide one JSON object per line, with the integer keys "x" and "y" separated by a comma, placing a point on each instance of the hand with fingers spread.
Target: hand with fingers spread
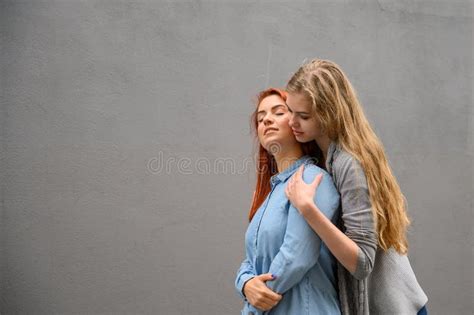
{"x": 300, "y": 194}
{"x": 259, "y": 295}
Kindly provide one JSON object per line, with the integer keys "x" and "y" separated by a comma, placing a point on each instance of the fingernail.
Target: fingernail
{"x": 273, "y": 276}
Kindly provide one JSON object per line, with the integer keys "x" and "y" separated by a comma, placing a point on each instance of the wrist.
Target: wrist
{"x": 243, "y": 286}
{"x": 308, "y": 208}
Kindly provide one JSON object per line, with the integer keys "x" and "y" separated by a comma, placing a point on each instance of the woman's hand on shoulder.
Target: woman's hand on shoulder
{"x": 259, "y": 295}
{"x": 300, "y": 194}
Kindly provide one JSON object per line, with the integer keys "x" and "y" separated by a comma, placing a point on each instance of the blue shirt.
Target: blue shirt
{"x": 280, "y": 241}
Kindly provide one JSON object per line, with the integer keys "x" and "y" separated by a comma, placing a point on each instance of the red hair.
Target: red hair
{"x": 266, "y": 163}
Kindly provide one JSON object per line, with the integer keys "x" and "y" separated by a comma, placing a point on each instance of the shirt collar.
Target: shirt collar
{"x": 331, "y": 154}
{"x": 281, "y": 177}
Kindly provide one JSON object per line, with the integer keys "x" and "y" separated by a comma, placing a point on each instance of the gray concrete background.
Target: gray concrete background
{"x": 96, "y": 96}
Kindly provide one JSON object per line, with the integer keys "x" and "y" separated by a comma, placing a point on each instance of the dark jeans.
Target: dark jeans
{"x": 423, "y": 311}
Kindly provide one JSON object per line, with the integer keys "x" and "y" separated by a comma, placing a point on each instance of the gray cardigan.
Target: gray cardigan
{"x": 383, "y": 282}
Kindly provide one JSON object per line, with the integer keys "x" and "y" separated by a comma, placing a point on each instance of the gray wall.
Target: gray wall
{"x": 97, "y": 96}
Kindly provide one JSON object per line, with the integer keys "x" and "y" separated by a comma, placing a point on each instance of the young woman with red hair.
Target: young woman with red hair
{"x": 287, "y": 269}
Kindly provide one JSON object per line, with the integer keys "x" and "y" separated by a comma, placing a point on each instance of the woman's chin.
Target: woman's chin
{"x": 302, "y": 138}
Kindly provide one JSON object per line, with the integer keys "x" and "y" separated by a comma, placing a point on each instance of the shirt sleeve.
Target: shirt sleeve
{"x": 301, "y": 245}
{"x": 357, "y": 213}
{"x": 244, "y": 274}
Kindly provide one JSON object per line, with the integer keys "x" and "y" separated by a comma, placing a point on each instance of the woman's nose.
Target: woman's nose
{"x": 267, "y": 120}
{"x": 291, "y": 122}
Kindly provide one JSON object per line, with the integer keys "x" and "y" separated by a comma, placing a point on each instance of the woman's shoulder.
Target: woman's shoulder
{"x": 346, "y": 169}
{"x": 311, "y": 170}
{"x": 345, "y": 161}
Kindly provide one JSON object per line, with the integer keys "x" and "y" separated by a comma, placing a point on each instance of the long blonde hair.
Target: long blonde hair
{"x": 340, "y": 115}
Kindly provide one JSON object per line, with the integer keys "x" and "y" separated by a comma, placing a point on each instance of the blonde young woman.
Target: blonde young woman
{"x": 374, "y": 273}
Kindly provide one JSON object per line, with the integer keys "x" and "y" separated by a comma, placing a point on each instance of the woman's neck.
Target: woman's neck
{"x": 285, "y": 159}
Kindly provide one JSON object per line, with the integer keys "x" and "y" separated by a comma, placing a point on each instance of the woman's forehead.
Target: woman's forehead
{"x": 298, "y": 102}
{"x": 271, "y": 101}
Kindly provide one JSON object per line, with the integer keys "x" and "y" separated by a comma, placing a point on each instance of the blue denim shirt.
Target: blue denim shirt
{"x": 280, "y": 241}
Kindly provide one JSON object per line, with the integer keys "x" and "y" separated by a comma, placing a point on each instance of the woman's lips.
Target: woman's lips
{"x": 297, "y": 133}
{"x": 270, "y": 130}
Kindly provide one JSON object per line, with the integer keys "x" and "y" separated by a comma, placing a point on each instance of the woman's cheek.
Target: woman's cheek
{"x": 306, "y": 126}
{"x": 285, "y": 122}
